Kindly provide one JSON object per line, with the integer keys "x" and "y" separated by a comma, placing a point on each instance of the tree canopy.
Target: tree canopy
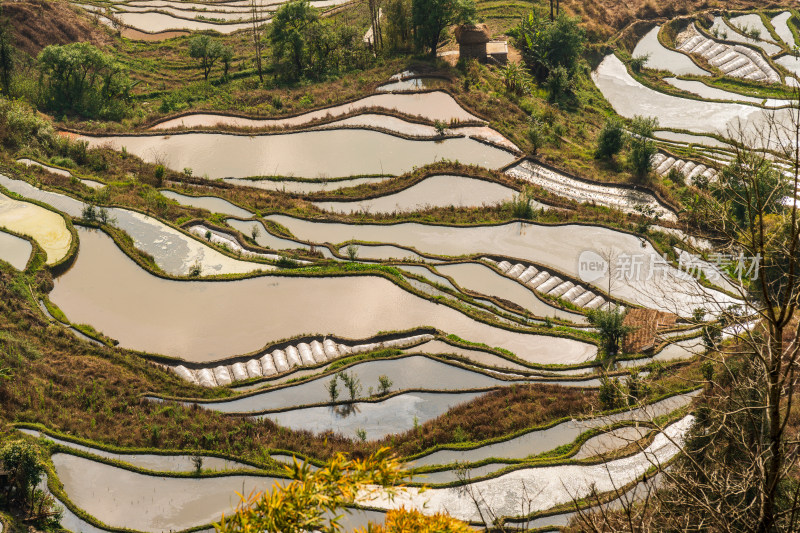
{"x": 429, "y": 19}
{"x": 79, "y": 78}
{"x": 207, "y": 52}
{"x": 548, "y": 44}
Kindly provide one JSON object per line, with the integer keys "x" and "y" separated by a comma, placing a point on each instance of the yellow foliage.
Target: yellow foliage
{"x": 313, "y": 501}
{"x": 405, "y": 521}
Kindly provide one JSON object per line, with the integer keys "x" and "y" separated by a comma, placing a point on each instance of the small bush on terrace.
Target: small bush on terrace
{"x": 642, "y": 146}
{"x": 20, "y": 127}
{"x": 611, "y": 139}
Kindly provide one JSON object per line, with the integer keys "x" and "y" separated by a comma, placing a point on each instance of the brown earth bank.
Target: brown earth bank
{"x": 77, "y": 388}
{"x": 39, "y": 23}
{"x": 94, "y": 392}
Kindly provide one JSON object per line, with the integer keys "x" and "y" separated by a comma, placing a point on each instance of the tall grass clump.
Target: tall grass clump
{"x": 522, "y": 205}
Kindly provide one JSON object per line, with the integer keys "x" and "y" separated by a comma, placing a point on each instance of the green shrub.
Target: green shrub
{"x": 611, "y": 139}
{"x": 642, "y": 147}
{"x": 537, "y": 134}
{"x": 558, "y": 83}
{"x": 20, "y": 127}
{"x": 522, "y": 205}
{"x": 610, "y": 395}
{"x": 638, "y": 62}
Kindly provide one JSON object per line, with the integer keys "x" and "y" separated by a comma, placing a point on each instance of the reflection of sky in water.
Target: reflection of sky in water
{"x": 407, "y": 373}
{"x": 395, "y": 415}
{"x": 170, "y": 248}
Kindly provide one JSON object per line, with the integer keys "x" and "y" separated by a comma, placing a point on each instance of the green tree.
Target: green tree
{"x": 749, "y": 187}
{"x": 25, "y": 471}
{"x": 206, "y": 51}
{"x": 80, "y": 78}
{"x": 429, "y": 18}
{"x": 398, "y": 35}
{"x": 226, "y": 56}
{"x": 384, "y": 384}
{"x": 333, "y": 389}
{"x": 610, "y": 327}
{"x": 548, "y": 44}
{"x": 610, "y": 395}
{"x": 537, "y": 134}
{"x": 611, "y": 139}
{"x": 288, "y": 36}
{"x": 558, "y": 83}
{"x": 642, "y": 147}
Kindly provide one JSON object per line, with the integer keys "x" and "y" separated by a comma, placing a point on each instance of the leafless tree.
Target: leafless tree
{"x": 375, "y": 17}
{"x": 256, "y": 13}
{"x": 738, "y": 470}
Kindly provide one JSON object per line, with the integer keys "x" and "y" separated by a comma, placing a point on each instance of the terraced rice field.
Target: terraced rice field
{"x": 549, "y": 246}
{"x": 289, "y": 277}
{"x": 234, "y": 311}
{"x": 14, "y": 250}
{"x": 308, "y": 154}
{"x": 46, "y": 227}
{"x": 435, "y": 191}
{"x": 555, "y": 485}
{"x": 146, "y": 20}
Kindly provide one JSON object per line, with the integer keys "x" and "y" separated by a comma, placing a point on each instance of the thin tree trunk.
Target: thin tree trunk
{"x": 775, "y": 422}
{"x": 256, "y": 12}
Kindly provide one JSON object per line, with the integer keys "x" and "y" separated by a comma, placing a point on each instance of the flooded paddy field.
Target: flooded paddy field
{"x": 412, "y": 372}
{"x": 211, "y": 203}
{"x": 435, "y": 105}
{"x": 126, "y": 499}
{"x": 307, "y": 154}
{"x": 435, "y": 299}
{"x": 540, "y": 441}
{"x": 377, "y": 419}
{"x": 434, "y": 191}
{"x": 173, "y": 251}
{"x": 46, "y": 227}
{"x": 14, "y": 250}
{"x": 159, "y": 315}
{"x": 552, "y": 246}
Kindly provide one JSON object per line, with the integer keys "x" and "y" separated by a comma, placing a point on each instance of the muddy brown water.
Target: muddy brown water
{"x": 308, "y": 154}
{"x": 204, "y": 321}
{"x": 435, "y": 191}
{"x": 211, "y": 203}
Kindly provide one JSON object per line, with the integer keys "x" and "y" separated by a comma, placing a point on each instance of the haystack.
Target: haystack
{"x": 472, "y": 40}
